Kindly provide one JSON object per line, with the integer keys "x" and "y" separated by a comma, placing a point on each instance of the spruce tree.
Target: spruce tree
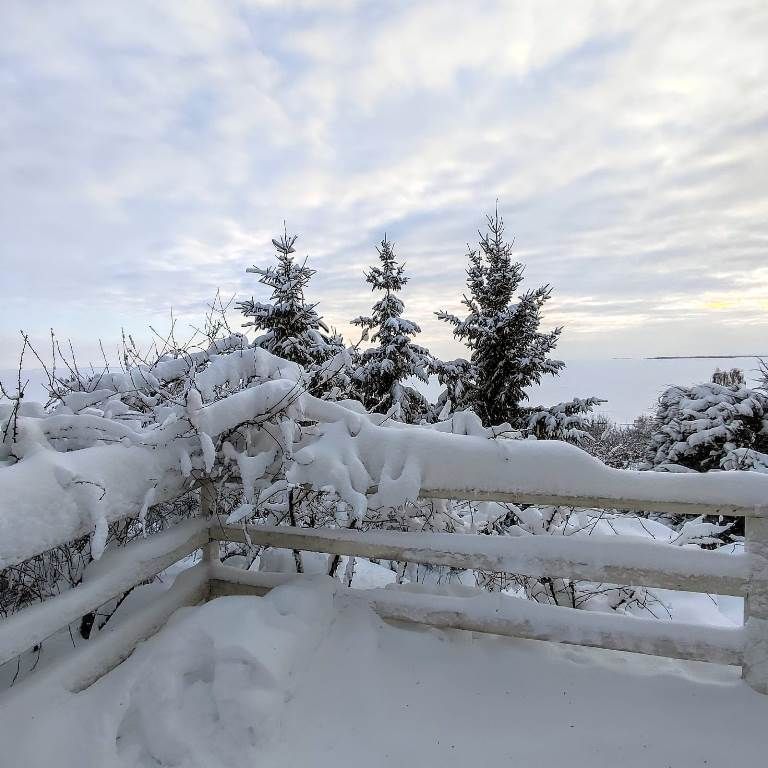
{"x": 709, "y": 426}
{"x": 509, "y": 353}
{"x": 292, "y": 328}
{"x": 393, "y": 357}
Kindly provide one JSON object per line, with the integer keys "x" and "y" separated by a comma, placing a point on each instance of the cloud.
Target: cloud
{"x": 154, "y": 149}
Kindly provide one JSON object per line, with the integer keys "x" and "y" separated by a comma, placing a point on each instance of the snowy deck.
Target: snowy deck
{"x": 303, "y": 677}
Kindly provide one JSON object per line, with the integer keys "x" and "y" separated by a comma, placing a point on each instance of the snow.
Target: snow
{"x": 304, "y": 676}
{"x": 353, "y": 455}
{"x": 631, "y": 386}
{"x": 50, "y": 497}
{"x": 36, "y": 512}
{"x": 103, "y": 579}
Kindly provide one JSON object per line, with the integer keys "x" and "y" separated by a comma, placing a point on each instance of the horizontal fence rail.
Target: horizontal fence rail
{"x": 597, "y": 558}
{"x": 118, "y": 572}
{"x": 602, "y": 502}
{"x": 514, "y": 617}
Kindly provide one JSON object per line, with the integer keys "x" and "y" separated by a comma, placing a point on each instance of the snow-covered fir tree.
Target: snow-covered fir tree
{"x": 563, "y": 421}
{"x": 393, "y": 356}
{"x": 509, "y": 353}
{"x": 291, "y": 327}
{"x": 710, "y": 426}
{"x": 455, "y": 376}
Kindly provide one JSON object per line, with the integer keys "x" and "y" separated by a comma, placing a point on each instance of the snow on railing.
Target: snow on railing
{"x": 110, "y": 577}
{"x": 52, "y": 497}
{"x": 596, "y": 559}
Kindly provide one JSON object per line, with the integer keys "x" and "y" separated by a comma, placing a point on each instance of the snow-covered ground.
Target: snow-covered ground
{"x": 305, "y": 678}
{"x": 632, "y": 386}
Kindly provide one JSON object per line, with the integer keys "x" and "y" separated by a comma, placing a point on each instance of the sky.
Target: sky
{"x": 150, "y": 151}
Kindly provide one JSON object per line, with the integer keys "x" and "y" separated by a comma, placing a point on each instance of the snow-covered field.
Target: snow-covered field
{"x": 631, "y": 386}
{"x": 303, "y": 678}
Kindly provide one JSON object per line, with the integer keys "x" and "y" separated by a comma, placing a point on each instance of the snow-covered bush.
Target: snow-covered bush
{"x": 701, "y": 426}
{"x": 564, "y": 421}
{"x": 618, "y": 445}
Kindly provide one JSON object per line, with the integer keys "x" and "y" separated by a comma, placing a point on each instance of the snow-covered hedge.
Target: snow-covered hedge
{"x": 710, "y": 426}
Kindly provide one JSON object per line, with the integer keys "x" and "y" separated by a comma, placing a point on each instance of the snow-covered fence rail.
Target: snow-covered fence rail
{"x": 607, "y": 559}
{"x": 501, "y": 615}
{"x": 109, "y": 578}
{"x": 600, "y": 559}
{"x": 620, "y": 502}
{"x": 597, "y": 558}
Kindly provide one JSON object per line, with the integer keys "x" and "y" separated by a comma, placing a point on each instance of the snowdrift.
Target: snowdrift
{"x": 303, "y": 677}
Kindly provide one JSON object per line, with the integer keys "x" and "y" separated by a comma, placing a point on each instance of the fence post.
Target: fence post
{"x": 211, "y": 551}
{"x": 755, "y": 666}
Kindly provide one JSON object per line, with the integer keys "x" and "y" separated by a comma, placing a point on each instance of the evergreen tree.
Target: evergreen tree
{"x": 393, "y": 357}
{"x": 563, "y": 421}
{"x": 455, "y": 376}
{"x": 509, "y": 353}
{"x": 709, "y": 426}
{"x": 292, "y": 328}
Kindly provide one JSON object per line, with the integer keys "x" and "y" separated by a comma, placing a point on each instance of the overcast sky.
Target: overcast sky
{"x": 150, "y": 150}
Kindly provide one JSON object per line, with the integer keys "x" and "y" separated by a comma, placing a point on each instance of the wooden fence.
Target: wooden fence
{"x": 612, "y": 560}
